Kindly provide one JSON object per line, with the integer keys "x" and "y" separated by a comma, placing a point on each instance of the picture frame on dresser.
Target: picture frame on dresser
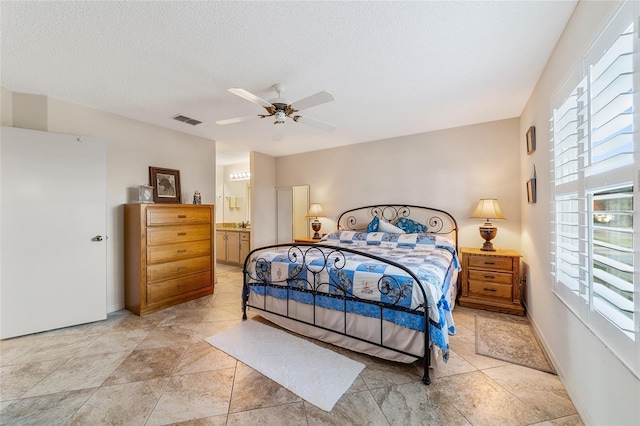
{"x": 166, "y": 185}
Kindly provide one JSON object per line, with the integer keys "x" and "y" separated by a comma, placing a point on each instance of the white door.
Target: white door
{"x": 53, "y": 252}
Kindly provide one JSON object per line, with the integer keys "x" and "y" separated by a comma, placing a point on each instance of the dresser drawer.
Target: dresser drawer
{"x": 178, "y": 234}
{"x": 179, "y": 268}
{"x": 491, "y": 262}
{"x": 178, "y": 216}
{"x": 177, "y": 286}
{"x": 171, "y": 252}
{"x": 244, "y": 236}
{"x": 491, "y": 277}
{"x": 489, "y": 289}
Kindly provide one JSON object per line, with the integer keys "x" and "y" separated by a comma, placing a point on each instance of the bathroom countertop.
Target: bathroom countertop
{"x": 229, "y": 228}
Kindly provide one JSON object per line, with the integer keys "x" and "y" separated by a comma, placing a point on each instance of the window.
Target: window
{"x": 594, "y": 164}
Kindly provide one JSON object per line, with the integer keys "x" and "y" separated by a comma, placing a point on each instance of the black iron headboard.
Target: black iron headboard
{"x": 437, "y": 221}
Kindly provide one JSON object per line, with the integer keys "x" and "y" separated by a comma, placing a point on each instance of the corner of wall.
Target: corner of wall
{"x": 6, "y": 107}
{"x": 30, "y": 111}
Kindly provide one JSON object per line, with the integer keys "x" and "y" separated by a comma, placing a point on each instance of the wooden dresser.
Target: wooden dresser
{"x": 491, "y": 280}
{"x": 168, "y": 254}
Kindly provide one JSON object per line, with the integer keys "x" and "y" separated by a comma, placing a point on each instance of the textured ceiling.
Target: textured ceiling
{"x": 395, "y": 68}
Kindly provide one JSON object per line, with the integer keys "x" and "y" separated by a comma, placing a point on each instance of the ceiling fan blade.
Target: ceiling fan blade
{"x": 236, "y": 120}
{"x": 313, "y": 100}
{"x": 250, "y": 97}
{"x": 278, "y": 131}
{"x": 315, "y": 123}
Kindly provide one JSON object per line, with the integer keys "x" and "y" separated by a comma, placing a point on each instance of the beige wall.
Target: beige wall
{"x": 603, "y": 390}
{"x": 263, "y": 199}
{"x": 6, "y": 107}
{"x": 132, "y": 146}
{"x": 448, "y": 169}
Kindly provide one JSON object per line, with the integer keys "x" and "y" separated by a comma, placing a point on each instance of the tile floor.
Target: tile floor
{"x": 157, "y": 370}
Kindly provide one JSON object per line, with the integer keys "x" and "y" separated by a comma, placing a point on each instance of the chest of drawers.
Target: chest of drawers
{"x": 168, "y": 255}
{"x": 491, "y": 280}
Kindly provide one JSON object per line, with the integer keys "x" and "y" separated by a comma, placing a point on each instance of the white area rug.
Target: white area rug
{"x": 316, "y": 374}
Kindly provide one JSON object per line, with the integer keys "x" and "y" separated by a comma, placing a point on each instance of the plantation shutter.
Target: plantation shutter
{"x": 594, "y": 164}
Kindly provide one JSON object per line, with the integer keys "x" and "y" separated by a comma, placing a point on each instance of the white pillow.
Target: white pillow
{"x": 387, "y": 227}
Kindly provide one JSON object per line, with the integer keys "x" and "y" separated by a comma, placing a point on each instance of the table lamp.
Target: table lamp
{"x": 315, "y": 211}
{"x": 488, "y": 208}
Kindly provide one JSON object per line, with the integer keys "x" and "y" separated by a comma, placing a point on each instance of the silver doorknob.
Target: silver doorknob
{"x": 97, "y": 238}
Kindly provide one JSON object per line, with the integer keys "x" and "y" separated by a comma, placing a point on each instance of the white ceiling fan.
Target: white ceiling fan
{"x": 281, "y": 109}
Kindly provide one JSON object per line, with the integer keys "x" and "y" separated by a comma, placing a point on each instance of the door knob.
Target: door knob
{"x": 97, "y": 238}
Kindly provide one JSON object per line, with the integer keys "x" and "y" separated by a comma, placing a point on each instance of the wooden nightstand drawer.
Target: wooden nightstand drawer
{"x": 491, "y": 277}
{"x": 491, "y": 262}
{"x": 491, "y": 280}
{"x": 488, "y": 289}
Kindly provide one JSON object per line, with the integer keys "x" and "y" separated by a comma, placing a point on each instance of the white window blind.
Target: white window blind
{"x": 594, "y": 164}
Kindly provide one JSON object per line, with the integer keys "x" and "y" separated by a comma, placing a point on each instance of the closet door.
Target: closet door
{"x": 52, "y": 231}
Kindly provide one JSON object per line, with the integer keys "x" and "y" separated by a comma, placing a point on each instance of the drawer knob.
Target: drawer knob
{"x": 182, "y": 216}
{"x": 489, "y": 263}
{"x": 182, "y": 233}
{"x": 182, "y": 251}
{"x": 489, "y": 289}
{"x": 490, "y": 277}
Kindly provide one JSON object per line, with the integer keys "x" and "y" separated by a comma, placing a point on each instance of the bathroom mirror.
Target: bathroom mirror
{"x": 233, "y": 194}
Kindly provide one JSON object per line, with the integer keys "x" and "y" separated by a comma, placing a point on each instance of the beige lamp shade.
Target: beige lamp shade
{"x": 315, "y": 210}
{"x": 488, "y": 208}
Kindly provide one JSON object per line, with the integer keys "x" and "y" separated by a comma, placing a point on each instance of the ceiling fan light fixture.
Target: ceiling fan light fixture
{"x": 280, "y": 116}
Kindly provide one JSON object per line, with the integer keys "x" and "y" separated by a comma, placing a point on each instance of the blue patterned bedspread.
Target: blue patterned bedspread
{"x": 431, "y": 258}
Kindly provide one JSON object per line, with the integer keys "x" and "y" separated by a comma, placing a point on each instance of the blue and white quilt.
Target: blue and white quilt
{"x": 430, "y": 257}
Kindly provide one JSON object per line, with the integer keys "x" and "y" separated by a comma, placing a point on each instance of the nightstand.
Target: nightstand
{"x": 491, "y": 280}
{"x": 305, "y": 240}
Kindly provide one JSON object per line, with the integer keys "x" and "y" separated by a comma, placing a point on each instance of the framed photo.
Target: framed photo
{"x": 531, "y": 140}
{"x": 166, "y": 185}
{"x": 531, "y": 191}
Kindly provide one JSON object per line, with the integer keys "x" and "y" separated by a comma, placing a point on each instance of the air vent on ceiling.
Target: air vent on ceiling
{"x": 186, "y": 119}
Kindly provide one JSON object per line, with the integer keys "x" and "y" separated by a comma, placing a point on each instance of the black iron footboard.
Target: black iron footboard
{"x": 334, "y": 257}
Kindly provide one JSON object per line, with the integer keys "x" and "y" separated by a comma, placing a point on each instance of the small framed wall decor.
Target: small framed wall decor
{"x": 531, "y": 140}
{"x": 531, "y": 191}
{"x": 166, "y": 185}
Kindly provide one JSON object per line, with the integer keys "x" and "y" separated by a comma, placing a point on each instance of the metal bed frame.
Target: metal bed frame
{"x": 438, "y": 221}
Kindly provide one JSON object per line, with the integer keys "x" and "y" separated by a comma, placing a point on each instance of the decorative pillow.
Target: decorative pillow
{"x": 332, "y": 236}
{"x": 373, "y": 225}
{"x": 353, "y": 237}
{"x": 387, "y": 227}
{"x": 407, "y": 240}
{"x": 411, "y": 226}
{"x": 374, "y": 238}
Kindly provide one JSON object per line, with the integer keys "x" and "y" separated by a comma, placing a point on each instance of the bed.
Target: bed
{"x": 384, "y": 283}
